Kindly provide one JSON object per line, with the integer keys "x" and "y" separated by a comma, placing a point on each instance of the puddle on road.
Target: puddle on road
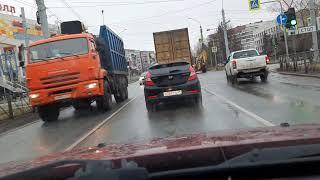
{"x": 259, "y": 91}
{"x": 303, "y": 86}
{"x": 303, "y": 112}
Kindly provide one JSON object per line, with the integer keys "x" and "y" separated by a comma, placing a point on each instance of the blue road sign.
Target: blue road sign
{"x": 282, "y": 19}
{"x": 254, "y": 4}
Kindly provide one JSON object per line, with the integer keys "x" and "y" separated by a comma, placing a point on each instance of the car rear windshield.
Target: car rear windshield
{"x": 58, "y": 49}
{"x": 160, "y": 66}
{"x": 245, "y": 54}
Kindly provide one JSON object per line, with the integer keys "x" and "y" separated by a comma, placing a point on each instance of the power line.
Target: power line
{"x": 34, "y": 7}
{"x": 103, "y": 4}
{"x": 25, "y": 3}
{"x": 73, "y": 11}
{"x": 166, "y": 13}
{"x": 115, "y": 2}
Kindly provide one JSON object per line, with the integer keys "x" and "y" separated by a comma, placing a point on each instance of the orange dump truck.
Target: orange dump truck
{"x": 75, "y": 68}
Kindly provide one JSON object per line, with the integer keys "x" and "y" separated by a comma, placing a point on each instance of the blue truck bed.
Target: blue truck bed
{"x": 115, "y": 54}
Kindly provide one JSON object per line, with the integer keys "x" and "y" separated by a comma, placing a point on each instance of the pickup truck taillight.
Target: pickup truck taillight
{"x": 234, "y": 64}
{"x": 267, "y": 59}
{"x": 193, "y": 74}
{"x": 148, "y": 81}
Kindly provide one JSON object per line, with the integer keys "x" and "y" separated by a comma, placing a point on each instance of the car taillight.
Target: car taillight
{"x": 234, "y": 64}
{"x": 148, "y": 81}
{"x": 193, "y": 74}
{"x": 267, "y": 59}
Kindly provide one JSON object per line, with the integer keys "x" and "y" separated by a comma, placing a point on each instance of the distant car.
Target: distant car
{"x": 141, "y": 79}
{"x": 246, "y": 64}
{"x": 165, "y": 82}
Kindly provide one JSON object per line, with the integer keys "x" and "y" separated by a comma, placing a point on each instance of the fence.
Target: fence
{"x": 303, "y": 62}
{"x": 13, "y": 93}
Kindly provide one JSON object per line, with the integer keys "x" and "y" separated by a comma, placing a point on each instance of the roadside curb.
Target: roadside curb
{"x": 297, "y": 74}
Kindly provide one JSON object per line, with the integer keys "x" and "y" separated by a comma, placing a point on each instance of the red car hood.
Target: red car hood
{"x": 183, "y": 151}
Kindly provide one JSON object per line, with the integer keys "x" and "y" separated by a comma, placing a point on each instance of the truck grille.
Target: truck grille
{"x": 60, "y": 80}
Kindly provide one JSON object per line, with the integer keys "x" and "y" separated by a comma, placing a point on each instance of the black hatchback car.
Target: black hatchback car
{"x": 169, "y": 82}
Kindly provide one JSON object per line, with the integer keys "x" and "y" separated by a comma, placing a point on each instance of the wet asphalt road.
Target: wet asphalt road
{"x": 250, "y": 104}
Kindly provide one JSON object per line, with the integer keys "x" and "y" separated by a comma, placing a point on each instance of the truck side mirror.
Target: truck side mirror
{"x": 20, "y": 55}
{"x": 21, "y": 63}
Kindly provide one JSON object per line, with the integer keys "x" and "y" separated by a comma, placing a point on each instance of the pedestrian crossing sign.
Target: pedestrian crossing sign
{"x": 254, "y": 5}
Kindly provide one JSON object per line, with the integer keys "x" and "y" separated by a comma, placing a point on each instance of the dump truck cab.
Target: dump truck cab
{"x": 63, "y": 67}
{"x": 76, "y": 68}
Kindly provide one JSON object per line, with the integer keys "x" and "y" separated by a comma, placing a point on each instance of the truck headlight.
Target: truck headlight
{"x": 91, "y": 86}
{"x": 34, "y": 96}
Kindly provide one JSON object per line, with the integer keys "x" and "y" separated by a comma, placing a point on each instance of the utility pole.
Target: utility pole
{"x": 284, "y": 33}
{"x": 24, "y": 24}
{"x": 314, "y": 33}
{"x": 224, "y": 27}
{"x": 281, "y": 25}
{"x": 102, "y": 12}
{"x": 201, "y": 33}
{"x": 43, "y": 18}
{"x": 275, "y": 46}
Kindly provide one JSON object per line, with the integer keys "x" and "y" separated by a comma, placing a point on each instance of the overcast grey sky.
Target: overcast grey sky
{"x": 138, "y": 19}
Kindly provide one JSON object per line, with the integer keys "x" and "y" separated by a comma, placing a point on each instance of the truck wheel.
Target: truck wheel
{"x": 49, "y": 113}
{"x": 118, "y": 98}
{"x": 126, "y": 93}
{"x": 81, "y": 104}
{"x": 264, "y": 77}
{"x": 204, "y": 70}
{"x": 104, "y": 102}
{"x": 121, "y": 97}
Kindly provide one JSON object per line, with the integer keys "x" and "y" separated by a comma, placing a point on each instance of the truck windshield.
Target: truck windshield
{"x": 245, "y": 54}
{"x": 60, "y": 49}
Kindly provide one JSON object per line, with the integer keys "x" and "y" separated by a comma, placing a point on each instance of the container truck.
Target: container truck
{"x": 76, "y": 68}
{"x": 172, "y": 46}
{"x": 173, "y": 78}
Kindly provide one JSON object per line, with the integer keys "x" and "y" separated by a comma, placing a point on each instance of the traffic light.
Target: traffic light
{"x": 291, "y": 18}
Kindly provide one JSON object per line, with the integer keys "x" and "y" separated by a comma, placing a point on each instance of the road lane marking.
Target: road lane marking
{"x": 97, "y": 127}
{"x": 25, "y": 125}
{"x": 18, "y": 128}
{"x": 256, "y": 117}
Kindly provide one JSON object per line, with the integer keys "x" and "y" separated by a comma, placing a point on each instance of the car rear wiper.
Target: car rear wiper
{"x": 174, "y": 71}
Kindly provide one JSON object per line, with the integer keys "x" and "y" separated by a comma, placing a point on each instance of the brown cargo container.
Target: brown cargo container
{"x": 172, "y": 46}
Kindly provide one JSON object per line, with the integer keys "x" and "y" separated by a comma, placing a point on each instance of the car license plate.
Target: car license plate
{"x": 172, "y": 93}
{"x": 65, "y": 96}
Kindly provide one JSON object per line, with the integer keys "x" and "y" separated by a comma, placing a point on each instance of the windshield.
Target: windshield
{"x": 245, "y": 54}
{"x": 58, "y": 49}
{"x": 167, "y": 75}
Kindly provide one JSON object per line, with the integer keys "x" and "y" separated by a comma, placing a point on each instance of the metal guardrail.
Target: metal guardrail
{"x": 12, "y": 105}
{"x": 13, "y": 99}
{"x": 303, "y": 62}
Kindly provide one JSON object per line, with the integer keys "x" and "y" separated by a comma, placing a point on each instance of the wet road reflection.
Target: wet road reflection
{"x": 283, "y": 99}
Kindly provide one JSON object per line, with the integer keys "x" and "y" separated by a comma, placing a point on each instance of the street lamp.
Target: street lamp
{"x": 201, "y": 33}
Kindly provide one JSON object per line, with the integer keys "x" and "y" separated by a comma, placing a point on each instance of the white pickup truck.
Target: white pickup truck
{"x": 246, "y": 64}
